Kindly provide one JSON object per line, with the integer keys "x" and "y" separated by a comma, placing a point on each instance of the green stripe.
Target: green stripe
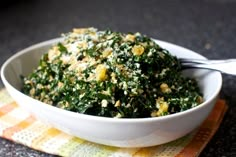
{"x": 106, "y": 151}
{"x": 70, "y": 147}
{"x": 5, "y": 97}
{"x": 89, "y": 149}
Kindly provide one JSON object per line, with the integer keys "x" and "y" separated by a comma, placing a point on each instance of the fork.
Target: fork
{"x": 227, "y": 66}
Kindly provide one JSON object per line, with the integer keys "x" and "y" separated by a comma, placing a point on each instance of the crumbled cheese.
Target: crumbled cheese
{"x": 125, "y": 86}
{"x": 128, "y": 106}
{"x": 149, "y": 54}
{"x": 107, "y": 52}
{"x": 80, "y": 30}
{"x": 65, "y": 59}
{"x": 81, "y": 95}
{"x": 130, "y": 37}
{"x": 134, "y": 91}
{"x": 163, "y": 72}
{"x": 154, "y": 113}
{"x": 32, "y": 91}
{"x": 199, "y": 99}
{"x": 137, "y": 65}
{"x": 72, "y": 47}
{"x": 60, "y": 84}
{"x": 106, "y": 92}
{"x": 117, "y": 104}
{"x": 78, "y": 66}
{"x": 53, "y": 53}
{"x": 83, "y": 45}
{"x": 113, "y": 78}
{"x": 118, "y": 115}
{"x": 104, "y": 103}
{"x": 39, "y": 86}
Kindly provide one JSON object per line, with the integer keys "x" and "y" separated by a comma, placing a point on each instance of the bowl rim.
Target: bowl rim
{"x": 107, "y": 119}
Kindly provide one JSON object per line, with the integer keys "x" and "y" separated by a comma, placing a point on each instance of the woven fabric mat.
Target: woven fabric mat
{"x": 19, "y": 126}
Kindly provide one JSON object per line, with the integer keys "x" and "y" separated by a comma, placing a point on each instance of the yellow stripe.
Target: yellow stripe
{"x": 50, "y": 133}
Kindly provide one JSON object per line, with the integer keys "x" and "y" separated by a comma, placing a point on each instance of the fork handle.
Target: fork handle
{"x": 205, "y": 61}
{"x": 227, "y": 66}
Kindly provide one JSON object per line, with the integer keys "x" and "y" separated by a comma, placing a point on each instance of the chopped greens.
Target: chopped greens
{"x": 111, "y": 74}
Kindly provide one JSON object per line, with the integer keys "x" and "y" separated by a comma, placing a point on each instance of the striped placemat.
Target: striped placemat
{"x": 18, "y": 125}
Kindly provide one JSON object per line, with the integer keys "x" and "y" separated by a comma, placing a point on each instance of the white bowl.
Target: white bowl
{"x": 140, "y": 132}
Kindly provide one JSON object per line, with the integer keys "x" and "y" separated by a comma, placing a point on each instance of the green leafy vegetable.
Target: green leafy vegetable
{"x": 112, "y": 74}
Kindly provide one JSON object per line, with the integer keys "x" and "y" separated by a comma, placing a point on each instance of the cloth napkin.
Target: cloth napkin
{"x": 19, "y": 126}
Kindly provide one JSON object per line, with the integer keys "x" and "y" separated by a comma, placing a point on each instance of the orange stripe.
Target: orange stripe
{"x": 205, "y": 132}
{"x": 145, "y": 152}
{"x": 9, "y": 132}
{"x": 7, "y": 108}
{"x": 45, "y": 136}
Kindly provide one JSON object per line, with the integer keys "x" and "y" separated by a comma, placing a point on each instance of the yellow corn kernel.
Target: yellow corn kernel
{"x": 163, "y": 108}
{"x": 130, "y": 37}
{"x": 165, "y": 88}
{"x": 138, "y": 50}
{"x": 161, "y": 105}
{"x": 101, "y": 72}
{"x": 107, "y": 52}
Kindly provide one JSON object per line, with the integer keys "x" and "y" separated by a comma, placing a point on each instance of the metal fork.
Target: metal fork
{"x": 227, "y": 66}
